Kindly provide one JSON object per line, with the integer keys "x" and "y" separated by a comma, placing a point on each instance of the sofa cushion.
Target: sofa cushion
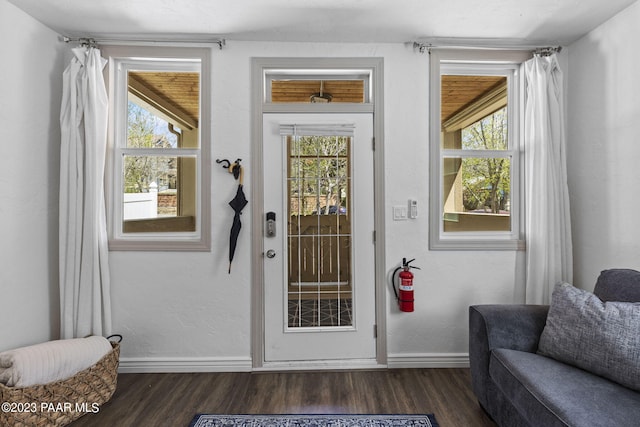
{"x": 552, "y": 393}
{"x": 599, "y": 337}
{"x": 618, "y": 284}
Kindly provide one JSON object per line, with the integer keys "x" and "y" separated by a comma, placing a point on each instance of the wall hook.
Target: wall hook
{"x": 234, "y": 168}
{"x": 226, "y": 162}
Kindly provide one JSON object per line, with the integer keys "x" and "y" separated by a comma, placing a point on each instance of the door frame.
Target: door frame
{"x": 259, "y": 68}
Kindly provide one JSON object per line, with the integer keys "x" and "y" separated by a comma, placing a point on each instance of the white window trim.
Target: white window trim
{"x": 476, "y": 62}
{"x": 120, "y": 59}
{"x": 263, "y": 66}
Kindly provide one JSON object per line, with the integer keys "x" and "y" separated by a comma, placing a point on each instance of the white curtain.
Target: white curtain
{"x": 85, "y": 302}
{"x": 548, "y": 224}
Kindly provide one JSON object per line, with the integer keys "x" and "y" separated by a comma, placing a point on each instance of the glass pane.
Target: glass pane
{"x": 318, "y": 91}
{"x": 477, "y": 194}
{"x": 488, "y": 133}
{"x": 468, "y": 104}
{"x": 146, "y": 130}
{"x": 163, "y": 113}
{"x": 319, "y": 240}
{"x": 304, "y": 197}
{"x": 313, "y": 312}
{"x": 163, "y": 109}
{"x": 159, "y": 193}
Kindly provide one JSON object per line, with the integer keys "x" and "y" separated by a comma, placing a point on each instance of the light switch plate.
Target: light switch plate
{"x": 399, "y": 213}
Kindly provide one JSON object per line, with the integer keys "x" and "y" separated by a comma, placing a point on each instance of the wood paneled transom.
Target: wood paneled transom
{"x": 302, "y": 90}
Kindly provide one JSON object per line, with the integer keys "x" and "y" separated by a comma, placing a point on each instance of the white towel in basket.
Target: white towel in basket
{"x": 50, "y": 361}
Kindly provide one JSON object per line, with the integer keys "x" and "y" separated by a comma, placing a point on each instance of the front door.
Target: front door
{"x": 319, "y": 284}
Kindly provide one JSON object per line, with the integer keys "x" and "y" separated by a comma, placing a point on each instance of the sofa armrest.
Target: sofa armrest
{"x": 511, "y": 326}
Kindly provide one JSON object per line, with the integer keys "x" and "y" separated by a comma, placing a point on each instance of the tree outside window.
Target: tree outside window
{"x": 146, "y": 130}
{"x": 486, "y": 181}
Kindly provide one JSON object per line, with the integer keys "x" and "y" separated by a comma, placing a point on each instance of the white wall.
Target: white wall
{"x": 180, "y": 310}
{"x": 30, "y": 94}
{"x": 604, "y": 147}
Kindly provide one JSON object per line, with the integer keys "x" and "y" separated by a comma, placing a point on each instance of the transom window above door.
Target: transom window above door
{"x": 318, "y": 86}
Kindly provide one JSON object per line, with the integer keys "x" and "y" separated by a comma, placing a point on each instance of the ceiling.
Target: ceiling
{"x": 460, "y": 92}
{"x": 532, "y": 22}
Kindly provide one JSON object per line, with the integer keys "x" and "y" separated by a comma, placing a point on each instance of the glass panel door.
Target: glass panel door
{"x": 319, "y": 284}
{"x": 319, "y": 233}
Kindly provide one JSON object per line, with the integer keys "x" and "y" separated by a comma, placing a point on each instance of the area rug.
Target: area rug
{"x": 208, "y": 420}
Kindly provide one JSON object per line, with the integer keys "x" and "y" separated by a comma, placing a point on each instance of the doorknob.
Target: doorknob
{"x": 271, "y": 253}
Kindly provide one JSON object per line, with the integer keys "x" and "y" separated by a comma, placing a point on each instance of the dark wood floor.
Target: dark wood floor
{"x": 173, "y": 399}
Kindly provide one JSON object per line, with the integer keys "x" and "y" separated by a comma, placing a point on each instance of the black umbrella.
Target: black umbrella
{"x": 237, "y": 203}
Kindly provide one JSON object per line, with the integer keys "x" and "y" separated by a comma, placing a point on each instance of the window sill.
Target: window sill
{"x": 470, "y": 244}
{"x": 161, "y": 234}
{"x": 173, "y": 224}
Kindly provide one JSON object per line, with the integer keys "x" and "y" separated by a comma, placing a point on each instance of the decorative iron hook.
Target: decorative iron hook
{"x": 233, "y": 167}
{"x": 226, "y": 165}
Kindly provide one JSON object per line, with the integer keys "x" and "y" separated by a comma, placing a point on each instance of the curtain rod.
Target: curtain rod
{"x": 93, "y": 42}
{"x": 547, "y": 51}
{"x": 426, "y": 46}
{"x": 84, "y": 41}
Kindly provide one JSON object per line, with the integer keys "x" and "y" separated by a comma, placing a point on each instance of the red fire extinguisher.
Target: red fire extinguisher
{"x": 404, "y": 290}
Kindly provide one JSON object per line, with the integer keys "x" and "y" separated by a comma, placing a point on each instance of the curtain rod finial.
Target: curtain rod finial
{"x": 422, "y": 47}
{"x": 547, "y": 51}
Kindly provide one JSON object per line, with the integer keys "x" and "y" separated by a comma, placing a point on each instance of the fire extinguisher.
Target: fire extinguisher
{"x": 404, "y": 289}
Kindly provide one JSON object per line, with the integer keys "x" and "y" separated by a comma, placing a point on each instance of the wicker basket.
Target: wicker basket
{"x": 61, "y": 402}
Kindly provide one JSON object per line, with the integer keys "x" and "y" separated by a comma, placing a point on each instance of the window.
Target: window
{"x": 475, "y": 152}
{"x": 318, "y": 86}
{"x": 159, "y": 198}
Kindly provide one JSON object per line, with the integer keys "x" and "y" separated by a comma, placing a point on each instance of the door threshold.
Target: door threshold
{"x": 321, "y": 365}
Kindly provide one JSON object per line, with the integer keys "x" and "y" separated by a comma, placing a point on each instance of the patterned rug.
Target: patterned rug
{"x": 207, "y": 420}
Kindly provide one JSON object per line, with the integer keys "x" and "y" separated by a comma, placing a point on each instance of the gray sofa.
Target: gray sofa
{"x": 517, "y": 386}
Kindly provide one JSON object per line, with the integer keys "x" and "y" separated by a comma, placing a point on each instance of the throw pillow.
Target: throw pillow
{"x": 602, "y": 338}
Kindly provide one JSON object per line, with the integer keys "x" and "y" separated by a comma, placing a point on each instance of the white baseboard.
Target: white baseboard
{"x": 428, "y": 360}
{"x": 129, "y": 365}
{"x": 322, "y": 365}
{"x": 227, "y": 364}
